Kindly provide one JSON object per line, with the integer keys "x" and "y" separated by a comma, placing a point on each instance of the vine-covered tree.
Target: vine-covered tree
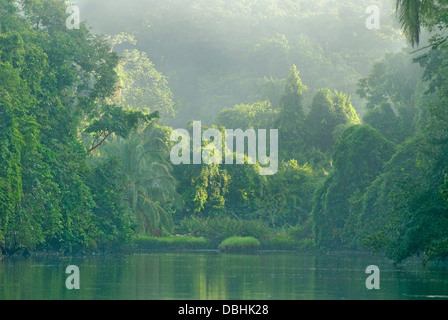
{"x": 359, "y": 157}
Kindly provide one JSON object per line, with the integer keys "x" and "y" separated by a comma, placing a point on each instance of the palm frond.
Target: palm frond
{"x": 150, "y": 185}
{"x": 411, "y": 13}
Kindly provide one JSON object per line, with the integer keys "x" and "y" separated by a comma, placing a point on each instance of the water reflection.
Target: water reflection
{"x": 216, "y": 276}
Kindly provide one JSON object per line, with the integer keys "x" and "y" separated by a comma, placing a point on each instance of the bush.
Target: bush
{"x": 219, "y": 229}
{"x": 193, "y": 226}
{"x": 239, "y": 244}
{"x": 256, "y": 229}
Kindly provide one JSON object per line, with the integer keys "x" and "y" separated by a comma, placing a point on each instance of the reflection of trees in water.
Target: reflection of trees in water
{"x": 213, "y": 276}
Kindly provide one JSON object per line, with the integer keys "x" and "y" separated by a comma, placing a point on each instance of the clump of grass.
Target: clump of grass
{"x": 170, "y": 243}
{"x": 239, "y": 244}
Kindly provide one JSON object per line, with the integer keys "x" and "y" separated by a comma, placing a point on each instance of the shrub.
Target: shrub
{"x": 256, "y": 229}
{"x": 239, "y": 244}
{"x": 219, "y": 229}
{"x": 193, "y": 226}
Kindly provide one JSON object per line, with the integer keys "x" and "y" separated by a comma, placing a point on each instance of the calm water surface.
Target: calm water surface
{"x": 183, "y": 276}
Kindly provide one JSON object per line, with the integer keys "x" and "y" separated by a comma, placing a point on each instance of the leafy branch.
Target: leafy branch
{"x": 116, "y": 120}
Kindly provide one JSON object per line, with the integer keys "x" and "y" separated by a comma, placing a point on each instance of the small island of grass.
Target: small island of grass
{"x": 239, "y": 244}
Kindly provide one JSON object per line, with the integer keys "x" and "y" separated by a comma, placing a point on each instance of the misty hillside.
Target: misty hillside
{"x": 217, "y": 54}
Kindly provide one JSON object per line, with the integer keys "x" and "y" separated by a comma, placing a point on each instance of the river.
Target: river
{"x": 210, "y": 275}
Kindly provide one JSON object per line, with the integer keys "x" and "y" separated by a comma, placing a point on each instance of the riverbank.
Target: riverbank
{"x": 233, "y": 244}
{"x": 179, "y": 243}
{"x": 187, "y": 244}
{"x": 144, "y": 244}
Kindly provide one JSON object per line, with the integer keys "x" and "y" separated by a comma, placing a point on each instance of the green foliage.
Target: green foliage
{"x": 291, "y": 118}
{"x": 385, "y": 121}
{"x": 203, "y": 187}
{"x": 360, "y": 155}
{"x": 54, "y": 85}
{"x": 386, "y": 200}
{"x": 419, "y": 223}
{"x": 385, "y": 186}
{"x": 438, "y": 250}
{"x": 194, "y": 226}
{"x": 411, "y": 190}
{"x": 328, "y": 111}
{"x": 239, "y": 244}
{"x": 149, "y": 185}
{"x": 284, "y": 243}
{"x": 288, "y": 198}
{"x": 170, "y": 243}
{"x": 259, "y": 115}
{"x": 222, "y": 228}
{"x": 307, "y": 245}
{"x": 142, "y": 86}
{"x": 444, "y": 188}
{"x": 116, "y": 120}
{"x": 413, "y": 14}
{"x": 112, "y": 215}
{"x": 246, "y": 187}
{"x": 11, "y": 145}
{"x": 395, "y": 96}
{"x": 210, "y": 188}
{"x": 392, "y": 80}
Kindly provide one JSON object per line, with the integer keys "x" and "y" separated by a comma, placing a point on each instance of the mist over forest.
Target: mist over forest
{"x": 217, "y": 54}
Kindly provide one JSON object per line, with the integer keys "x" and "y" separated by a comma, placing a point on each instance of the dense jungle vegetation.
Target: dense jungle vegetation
{"x": 86, "y": 117}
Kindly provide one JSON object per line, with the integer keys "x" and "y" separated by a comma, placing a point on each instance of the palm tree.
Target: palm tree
{"x": 412, "y": 14}
{"x": 149, "y": 184}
